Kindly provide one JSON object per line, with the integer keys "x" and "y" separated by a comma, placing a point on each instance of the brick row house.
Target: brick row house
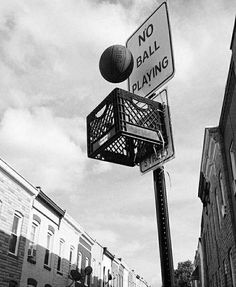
{"x": 41, "y": 245}
{"x": 215, "y": 258}
{"x": 16, "y": 200}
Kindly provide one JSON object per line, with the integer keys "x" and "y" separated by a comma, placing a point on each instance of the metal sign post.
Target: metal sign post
{"x": 151, "y": 47}
{"x": 165, "y": 248}
{"x": 131, "y": 134}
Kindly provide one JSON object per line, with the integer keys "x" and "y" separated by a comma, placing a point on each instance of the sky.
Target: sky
{"x": 50, "y": 82}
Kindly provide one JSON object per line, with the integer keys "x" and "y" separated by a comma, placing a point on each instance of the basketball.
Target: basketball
{"x": 116, "y": 64}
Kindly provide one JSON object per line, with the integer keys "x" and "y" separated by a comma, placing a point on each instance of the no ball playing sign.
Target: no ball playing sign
{"x": 151, "y": 48}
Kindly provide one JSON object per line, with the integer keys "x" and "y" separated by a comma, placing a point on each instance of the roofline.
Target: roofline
{"x": 87, "y": 237}
{"x": 233, "y": 35}
{"x": 205, "y": 139}
{"x": 205, "y": 148}
{"x": 72, "y": 222}
{"x": 226, "y": 98}
{"x": 13, "y": 174}
{"x": 95, "y": 241}
{"x": 108, "y": 253}
{"x": 42, "y": 196}
{"x": 116, "y": 260}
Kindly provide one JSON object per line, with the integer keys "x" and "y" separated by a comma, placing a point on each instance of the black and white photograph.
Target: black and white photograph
{"x": 117, "y": 143}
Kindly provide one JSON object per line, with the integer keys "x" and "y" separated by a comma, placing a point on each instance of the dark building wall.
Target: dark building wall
{"x": 217, "y": 226}
{"x": 227, "y": 126}
{"x": 228, "y": 131}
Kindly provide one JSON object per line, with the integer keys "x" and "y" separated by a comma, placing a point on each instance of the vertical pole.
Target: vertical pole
{"x": 165, "y": 248}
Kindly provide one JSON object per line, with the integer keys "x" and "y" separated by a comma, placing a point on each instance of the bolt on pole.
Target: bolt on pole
{"x": 165, "y": 248}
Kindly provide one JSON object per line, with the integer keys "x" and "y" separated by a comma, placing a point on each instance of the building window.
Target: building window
{"x": 218, "y": 209}
{"x": 86, "y": 275}
{"x": 60, "y": 255}
{"x": 109, "y": 277}
{"x": 222, "y": 190}
{"x": 31, "y": 282}
{"x": 219, "y": 277}
{"x": 100, "y": 271}
{"x": 79, "y": 261}
{"x": 104, "y": 276}
{"x": 15, "y": 233}
{"x": 49, "y": 244}
{"x": 232, "y": 269}
{"x": 233, "y": 166}
{"x": 71, "y": 256}
{"x": 94, "y": 271}
{"x": 33, "y": 241}
{"x": 214, "y": 220}
{"x": 13, "y": 283}
{"x": 225, "y": 273}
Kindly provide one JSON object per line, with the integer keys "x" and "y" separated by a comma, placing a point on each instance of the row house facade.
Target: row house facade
{"x": 216, "y": 247}
{"x": 41, "y": 245}
{"x": 16, "y": 199}
{"x": 215, "y": 258}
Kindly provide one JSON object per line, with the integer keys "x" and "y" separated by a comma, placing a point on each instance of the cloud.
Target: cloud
{"x": 144, "y": 224}
{"x": 111, "y": 240}
{"x": 132, "y": 248}
{"x": 108, "y": 238}
{"x": 57, "y": 45}
{"x": 100, "y": 167}
{"x": 44, "y": 149}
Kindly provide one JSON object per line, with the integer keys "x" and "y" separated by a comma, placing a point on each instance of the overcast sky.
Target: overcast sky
{"x": 50, "y": 81}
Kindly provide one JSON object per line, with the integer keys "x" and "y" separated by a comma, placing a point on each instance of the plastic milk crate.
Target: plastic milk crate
{"x": 124, "y": 128}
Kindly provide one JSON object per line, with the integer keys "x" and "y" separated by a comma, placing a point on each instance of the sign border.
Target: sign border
{"x": 170, "y": 135}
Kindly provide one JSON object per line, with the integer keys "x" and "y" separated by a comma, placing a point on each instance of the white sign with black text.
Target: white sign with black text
{"x": 151, "y": 48}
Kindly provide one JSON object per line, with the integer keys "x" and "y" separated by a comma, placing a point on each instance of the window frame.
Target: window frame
{"x": 108, "y": 273}
{"x": 218, "y": 209}
{"x": 13, "y": 283}
{"x": 16, "y": 233}
{"x": 86, "y": 275}
{"x": 223, "y": 193}
{"x": 99, "y": 271}
{"x": 48, "y": 249}
{"x": 31, "y": 282}
{"x": 93, "y": 268}
{"x": 104, "y": 276}
{"x": 232, "y": 268}
{"x": 33, "y": 241}
{"x": 232, "y": 157}
{"x": 60, "y": 255}
{"x": 71, "y": 256}
{"x": 79, "y": 261}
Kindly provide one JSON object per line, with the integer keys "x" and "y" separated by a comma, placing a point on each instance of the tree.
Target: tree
{"x": 183, "y": 273}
